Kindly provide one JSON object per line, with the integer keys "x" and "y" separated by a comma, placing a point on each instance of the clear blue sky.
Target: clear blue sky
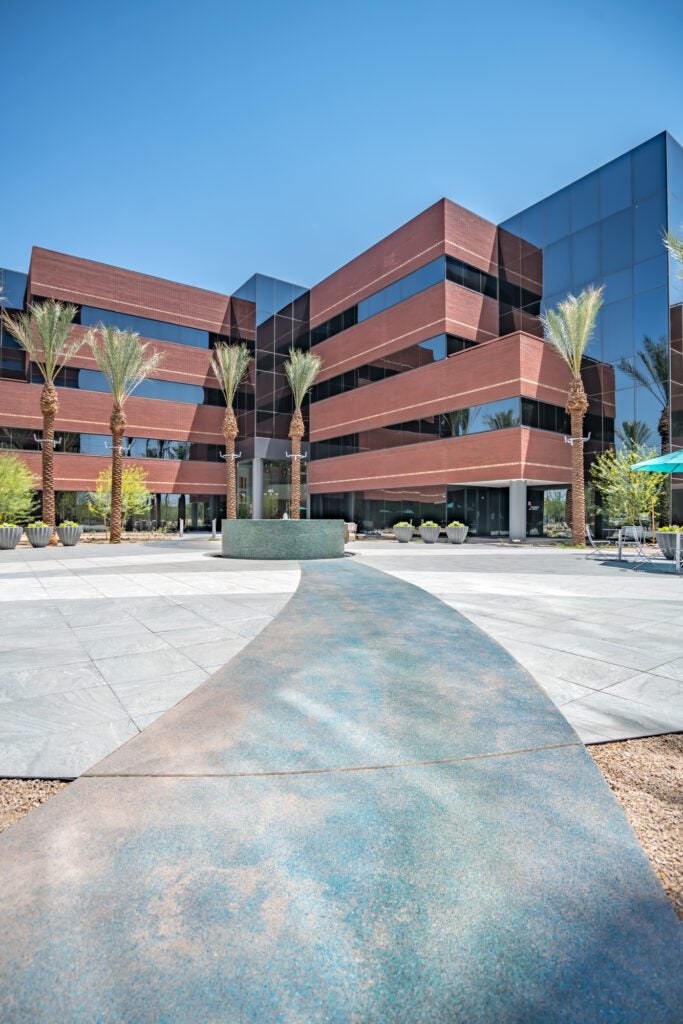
{"x": 203, "y": 140}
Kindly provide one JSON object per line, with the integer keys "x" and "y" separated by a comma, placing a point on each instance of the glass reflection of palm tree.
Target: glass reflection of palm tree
{"x": 651, "y": 371}
{"x": 460, "y": 421}
{"x": 634, "y": 434}
{"x": 501, "y": 420}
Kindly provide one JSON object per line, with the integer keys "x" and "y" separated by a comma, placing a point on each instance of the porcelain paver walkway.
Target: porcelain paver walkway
{"x": 371, "y": 814}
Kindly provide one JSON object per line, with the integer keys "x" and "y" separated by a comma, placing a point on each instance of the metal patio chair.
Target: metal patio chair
{"x": 596, "y": 546}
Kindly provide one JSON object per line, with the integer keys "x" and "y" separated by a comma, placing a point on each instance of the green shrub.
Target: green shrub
{"x": 402, "y": 523}
{"x": 428, "y": 522}
{"x": 456, "y": 523}
{"x": 669, "y": 529}
{"x": 38, "y": 523}
{"x": 68, "y": 522}
{"x": 8, "y": 526}
{"x": 17, "y": 489}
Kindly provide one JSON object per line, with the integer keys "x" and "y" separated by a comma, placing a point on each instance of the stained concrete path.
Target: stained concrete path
{"x": 604, "y": 639}
{"x": 372, "y": 814}
{"x": 99, "y": 641}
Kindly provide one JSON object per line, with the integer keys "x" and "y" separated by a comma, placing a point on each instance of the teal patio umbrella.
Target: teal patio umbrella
{"x": 670, "y": 463}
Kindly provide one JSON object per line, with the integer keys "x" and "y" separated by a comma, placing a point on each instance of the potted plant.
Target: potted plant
{"x": 403, "y": 532}
{"x": 10, "y": 535}
{"x": 69, "y": 533}
{"x": 39, "y": 534}
{"x": 456, "y": 532}
{"x": 429, "y": 531}
{"x": 666, "y": 538}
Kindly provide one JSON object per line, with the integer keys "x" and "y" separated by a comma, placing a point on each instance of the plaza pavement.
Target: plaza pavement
{"x": 98, "y": 641}
{"x": 372, "y": 813}
{"x": 603, "y": 639}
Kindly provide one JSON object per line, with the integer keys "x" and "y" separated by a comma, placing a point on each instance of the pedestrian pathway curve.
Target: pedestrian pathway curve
{"x": 371, "y": 814}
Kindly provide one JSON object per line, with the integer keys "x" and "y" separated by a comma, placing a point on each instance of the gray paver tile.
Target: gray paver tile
{"x": 153, "y": 696}
{"x": 58, "y": 712}
{"x": 20, "y": 684}
{"x": 217, "y": 652}
{"x": 658, "y": 693}
{"x": 150, "y": 665}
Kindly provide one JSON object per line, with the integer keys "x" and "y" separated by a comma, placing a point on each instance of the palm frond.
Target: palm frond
{"x": 230, "y": 364}
{"x": 654, "y": 376}
{"x": 569, "y": 327}
{"x": 301, "y": 369}
{"x": 675, "y": 247}
{"x": 43, "y": 333}
{"x": 123, "y": 360}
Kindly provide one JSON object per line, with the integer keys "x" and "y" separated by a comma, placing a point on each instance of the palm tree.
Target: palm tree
{"x": 230, "y": 364}
{"x": 634, "y": 433}
{"x": 569, "y": 329}
{"x": 125, "y": 363}
{"x": 301, "y": 369}
{"x": 653, "y": 375}
{"x": 51, "y": 350}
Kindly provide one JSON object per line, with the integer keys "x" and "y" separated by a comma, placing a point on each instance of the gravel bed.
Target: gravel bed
{"x": 19, "y": 796}
{"x": 647, "y": 777}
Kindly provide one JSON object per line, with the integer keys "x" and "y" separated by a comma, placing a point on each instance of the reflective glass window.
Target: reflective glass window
{"x": 617, "y": 242}
{"x": 12, "y": 288}
{"x": 649, "y": 168}
{"x": 411, "y": 284}
{"x": 651, "y": 315}
{"x": 167, "y": 390}
{"x": 618, "y": 286}
{"x": 557, "y": 268}
{"x": 160, "y": 330}
{"x": 585, "y": 201}
{"x": 650, "y": 274}
{"x": 557, "y": 216}
{"x": 585, "y": 255}
{"x": 615, "y": 185}
{"x": 617, "y": 331}
{"x": 649, "y": 224}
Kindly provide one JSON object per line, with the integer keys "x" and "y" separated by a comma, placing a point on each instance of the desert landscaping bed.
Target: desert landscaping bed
{"x": 646, "y": 776}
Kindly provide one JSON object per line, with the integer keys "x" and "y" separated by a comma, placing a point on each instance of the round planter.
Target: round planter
{"x": 456, "y": 534}
{"x": 69, "y": 535}
{"x": 667, "y": 543}
{"x": 9, "y": 537}
{"x": 430, "y": 534}
{"x": 39, "y": 536}
{"x": 403, "y": 534}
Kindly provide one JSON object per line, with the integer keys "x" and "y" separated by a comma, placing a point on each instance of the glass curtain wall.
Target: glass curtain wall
{"x": 606, "y": 229}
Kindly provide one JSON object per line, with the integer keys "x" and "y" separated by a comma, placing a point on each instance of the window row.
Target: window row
{"x": 28, "y": 440}
{"x": 424, "y": 353}
{"x": 443, "y": 268}
{"x": 499, "y": 415}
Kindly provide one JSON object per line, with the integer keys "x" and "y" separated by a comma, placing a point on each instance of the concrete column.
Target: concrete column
{"x": 349, "y": 506}
{"x": 518, "y": 510}
{"x": 308, "y": 504}
{"x": 257, "y": 488}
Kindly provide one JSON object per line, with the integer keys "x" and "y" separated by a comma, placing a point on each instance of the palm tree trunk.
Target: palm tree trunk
{"x": 230, "y": 432}
{"x": 577, "y": 407}
{"x": 49, "y": 405}
{"x": 296, "y": 432}
{"x": 117, "y": 425}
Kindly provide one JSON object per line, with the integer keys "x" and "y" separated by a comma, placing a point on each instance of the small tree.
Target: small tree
{"x": 135, "y": 495}
{"x": 627, "y": 494}
{"x": 17, "y": 489}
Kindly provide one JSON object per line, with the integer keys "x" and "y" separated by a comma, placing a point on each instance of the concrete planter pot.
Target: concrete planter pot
{"x": 430, "y": 534}
{"x": 39, "y": 536}
{"x": 456, "y": 534}
{"x": 667, "y": 543}
{"x": 9, "y": 537}
{"x": 69, "y": 535}
{"x": 403, "y": 534}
